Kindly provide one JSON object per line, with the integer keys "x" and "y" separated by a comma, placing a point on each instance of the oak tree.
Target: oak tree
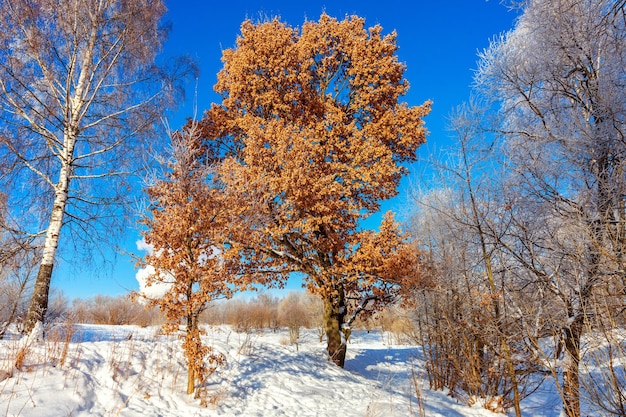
{"x": 79, "y": 89}
{"x": 183, "y": 228}
{"x": 313, "y": 137}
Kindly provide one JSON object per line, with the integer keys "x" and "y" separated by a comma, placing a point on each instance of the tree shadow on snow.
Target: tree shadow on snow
{"x": 391, "y": 369}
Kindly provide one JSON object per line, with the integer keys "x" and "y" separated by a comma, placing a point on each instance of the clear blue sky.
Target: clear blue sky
{"x": 438, "y": 42}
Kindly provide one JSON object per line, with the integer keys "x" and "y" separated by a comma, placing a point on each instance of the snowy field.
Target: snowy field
{"x": 133, "y": 371}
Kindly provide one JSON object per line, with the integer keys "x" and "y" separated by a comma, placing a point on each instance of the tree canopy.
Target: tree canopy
{"x": 313, "y": 136}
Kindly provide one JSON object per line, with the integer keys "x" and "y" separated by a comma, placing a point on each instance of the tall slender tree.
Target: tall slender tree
{"x": 314, "y": 137}
{"x": 78, "y": 91}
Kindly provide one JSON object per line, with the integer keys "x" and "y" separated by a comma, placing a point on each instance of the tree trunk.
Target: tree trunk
{"x": 513, "y": 375}
{"x": 39, "y": 300}
{"x": 191, "y": 333}
{"x": 571, "y": 383}
{"x": 191, "y": 380}
{"x": 334, "y": 315}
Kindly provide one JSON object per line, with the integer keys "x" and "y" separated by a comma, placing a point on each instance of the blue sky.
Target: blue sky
{"x": 438, "y": 42}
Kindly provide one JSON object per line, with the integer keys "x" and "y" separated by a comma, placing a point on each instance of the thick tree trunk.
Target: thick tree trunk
{"x": 39, "y": 301}
{"x": 334, "y": 315}
{"x": 74, "y": 112}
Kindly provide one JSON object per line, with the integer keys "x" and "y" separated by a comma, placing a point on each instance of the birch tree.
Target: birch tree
{"x": 78, "y": 91}
{"x": 559, "y": 80}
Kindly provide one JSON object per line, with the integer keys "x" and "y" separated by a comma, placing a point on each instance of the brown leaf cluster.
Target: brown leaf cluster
{"x": 309, "y": 138}
{"x": 184, "y": 227}
{"x": 202, "y": 360}
{"x": 184, "y": 215}
{"x": 314, "y": 137}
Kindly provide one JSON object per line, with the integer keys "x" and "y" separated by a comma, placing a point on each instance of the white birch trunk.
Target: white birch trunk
{"x": 39, "y": 301}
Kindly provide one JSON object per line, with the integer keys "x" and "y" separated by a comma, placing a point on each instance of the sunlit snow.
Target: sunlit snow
{"x": 134, "y": 371}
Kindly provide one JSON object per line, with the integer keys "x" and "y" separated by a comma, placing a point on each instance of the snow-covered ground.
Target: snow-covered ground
{"x": 133, "y": 371}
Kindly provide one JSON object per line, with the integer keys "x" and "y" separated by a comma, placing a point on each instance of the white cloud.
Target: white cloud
{"x": 142, "y": 245}
{"x": 155, "y": 289}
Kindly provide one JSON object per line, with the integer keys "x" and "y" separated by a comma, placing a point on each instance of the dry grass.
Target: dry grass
{"x": 417, "y": 381}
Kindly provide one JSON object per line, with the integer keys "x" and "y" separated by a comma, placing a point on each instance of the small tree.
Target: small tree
{"x": 292, "y": 314}
{"x": 469, "y": 321}
{"x": 315, "y": 139}
{"x": 185, "y": 216}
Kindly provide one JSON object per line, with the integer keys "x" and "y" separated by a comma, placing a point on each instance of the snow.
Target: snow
{"x": 134, "y": 371}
